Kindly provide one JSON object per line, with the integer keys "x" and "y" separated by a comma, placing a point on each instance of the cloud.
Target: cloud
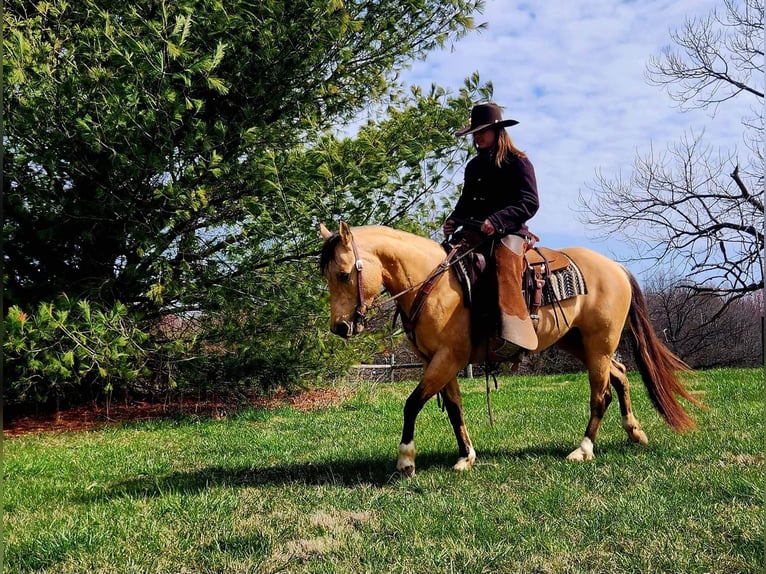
{"x": 573, "y": 75}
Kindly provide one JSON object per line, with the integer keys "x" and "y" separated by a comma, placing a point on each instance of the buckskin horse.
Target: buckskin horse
{"x": 359, "y": 263}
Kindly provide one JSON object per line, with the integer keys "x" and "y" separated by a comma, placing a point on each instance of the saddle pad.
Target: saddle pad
{"x": 467, "y": 270}
{"x": 564, "y": 283}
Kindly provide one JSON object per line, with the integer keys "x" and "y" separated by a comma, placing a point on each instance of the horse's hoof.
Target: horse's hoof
{"x": 639, "y": 437}
{"x": 579, "y": 455}
{"x": 407, "y": 471}
{"x": 406, "y": 462}
{"x": 635, "y": 434}
{"x": 465, "y": 462}
{"x": 583, "y": 452}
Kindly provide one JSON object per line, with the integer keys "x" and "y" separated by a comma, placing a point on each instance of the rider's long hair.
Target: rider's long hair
{"x": 505, "y": 147}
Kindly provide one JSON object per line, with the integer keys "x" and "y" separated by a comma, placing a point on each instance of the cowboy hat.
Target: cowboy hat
{"x": 483, "y": 116}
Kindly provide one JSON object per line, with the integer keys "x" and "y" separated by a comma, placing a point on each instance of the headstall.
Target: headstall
{"x": 361, "y": 308}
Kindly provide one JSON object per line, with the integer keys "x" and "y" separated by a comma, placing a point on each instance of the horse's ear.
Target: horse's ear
{"x": 345, "y": 233}
{"x": 324, "y": 232}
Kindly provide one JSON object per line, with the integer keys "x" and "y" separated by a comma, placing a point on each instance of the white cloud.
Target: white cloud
{"x": 572, "y": 73}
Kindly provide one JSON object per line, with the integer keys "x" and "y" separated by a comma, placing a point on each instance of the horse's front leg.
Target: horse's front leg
{"x": 419, "y": 396}
{"x": 438, "y": 373}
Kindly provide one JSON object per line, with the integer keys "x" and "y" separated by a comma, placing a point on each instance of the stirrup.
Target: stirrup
{"x": 504, "y": 349}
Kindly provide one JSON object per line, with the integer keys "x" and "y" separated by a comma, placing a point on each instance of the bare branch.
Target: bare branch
{"x": 745, "y": 192}
{"x": 685, "y": 207}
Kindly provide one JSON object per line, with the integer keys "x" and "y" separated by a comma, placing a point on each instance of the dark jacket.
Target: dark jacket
{"x": 505, "y": 195}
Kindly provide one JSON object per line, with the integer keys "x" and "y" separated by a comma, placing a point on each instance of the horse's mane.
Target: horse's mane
{"x": 327, "y": 255}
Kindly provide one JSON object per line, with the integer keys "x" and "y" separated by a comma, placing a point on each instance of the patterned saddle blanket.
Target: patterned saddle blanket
{"x": 556, "y": 277}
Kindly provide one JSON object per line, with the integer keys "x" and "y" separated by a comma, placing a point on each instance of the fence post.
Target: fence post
{"x": 469, "y": 370}
{"x": 392, "y": 367}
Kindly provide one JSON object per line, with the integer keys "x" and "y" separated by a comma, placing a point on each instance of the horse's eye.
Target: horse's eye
{"x": 344, "y": 277}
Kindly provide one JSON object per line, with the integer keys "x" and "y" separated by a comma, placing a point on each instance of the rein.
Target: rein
{"x": 426, "y": 287}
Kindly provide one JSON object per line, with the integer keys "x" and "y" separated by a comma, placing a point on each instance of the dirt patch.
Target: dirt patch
{"x": 339, "y": 520}
{"x": 91, "y": 416}
{"x": 338, "y": 528}
{"x": 741, "y": 459}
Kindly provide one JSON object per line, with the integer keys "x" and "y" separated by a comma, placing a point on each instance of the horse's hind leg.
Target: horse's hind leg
{"x": 600, "y": 397}
{"x": 619, "y": 381}
{"x": 453, "y": 403}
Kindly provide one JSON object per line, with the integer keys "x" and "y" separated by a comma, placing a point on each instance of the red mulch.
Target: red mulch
{"x": 93, "y": 415}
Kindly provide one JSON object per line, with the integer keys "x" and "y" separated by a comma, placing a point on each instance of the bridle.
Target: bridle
{"x": 360, "y": 313}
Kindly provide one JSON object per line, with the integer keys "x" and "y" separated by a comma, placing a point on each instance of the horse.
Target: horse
{"x": 361, "y": 262}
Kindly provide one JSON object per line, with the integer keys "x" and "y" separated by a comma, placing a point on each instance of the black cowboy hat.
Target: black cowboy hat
{"x": 483, "y": 116}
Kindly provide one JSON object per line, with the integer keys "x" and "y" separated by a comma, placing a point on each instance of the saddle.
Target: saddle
{"x": 549, "y": 276}
{"x": 552, "y": 259}
{"x": 541, "y": 264}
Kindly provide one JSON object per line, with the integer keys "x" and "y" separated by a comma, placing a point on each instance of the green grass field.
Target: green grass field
{"x": 288, "y": 491}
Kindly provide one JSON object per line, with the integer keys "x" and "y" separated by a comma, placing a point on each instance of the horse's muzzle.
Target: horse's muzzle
{"x": 342, "y": 329}
{"x": 345, "y": 329}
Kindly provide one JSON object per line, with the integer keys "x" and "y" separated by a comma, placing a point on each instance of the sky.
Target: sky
{"x": 572, "y": 72}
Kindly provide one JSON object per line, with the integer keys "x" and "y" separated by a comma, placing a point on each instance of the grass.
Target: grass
{"x": 288, "y": 491}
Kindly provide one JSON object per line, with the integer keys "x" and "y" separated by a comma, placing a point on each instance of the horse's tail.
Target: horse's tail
{"x": 657, "y": 364}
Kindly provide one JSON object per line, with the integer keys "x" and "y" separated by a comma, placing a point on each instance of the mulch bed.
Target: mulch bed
{"x": 93, "y": 415}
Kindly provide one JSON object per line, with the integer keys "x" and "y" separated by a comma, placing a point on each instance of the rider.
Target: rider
{"x": 500, "y": 192}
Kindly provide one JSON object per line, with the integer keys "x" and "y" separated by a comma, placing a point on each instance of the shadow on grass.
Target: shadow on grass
{"x": 370, "y": 472}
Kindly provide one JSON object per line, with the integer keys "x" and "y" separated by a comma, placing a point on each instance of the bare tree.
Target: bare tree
{"x": 691, "y": 206}
{"x": 706, "y": 329}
